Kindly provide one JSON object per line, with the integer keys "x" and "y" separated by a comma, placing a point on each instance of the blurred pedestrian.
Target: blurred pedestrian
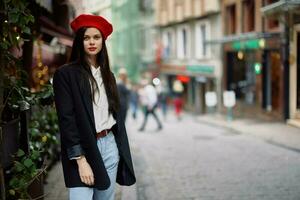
{"x": 178, "y": 103}
{"x": 163, "y": 100}
{"x": 134, "y": 101}
{"x": 91, "y": 128}
{"x": 149, "y": 101}
{"x": 124, "y": 93}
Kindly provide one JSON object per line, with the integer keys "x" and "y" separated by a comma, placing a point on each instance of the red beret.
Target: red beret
{"x": 98, "y": 22}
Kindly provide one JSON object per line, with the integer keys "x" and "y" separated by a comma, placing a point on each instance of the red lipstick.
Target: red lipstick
{"x": 92, "y": 48}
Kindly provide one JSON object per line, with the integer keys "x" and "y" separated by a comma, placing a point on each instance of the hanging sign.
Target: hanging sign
{"x": 183, "y": 79}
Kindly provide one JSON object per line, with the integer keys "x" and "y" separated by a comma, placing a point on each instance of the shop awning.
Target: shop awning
{"x": 52, "y": 28}
{"x": 281, "y": 6}
{"x": 243, "y": 37}
{"x": 62, "y": 34}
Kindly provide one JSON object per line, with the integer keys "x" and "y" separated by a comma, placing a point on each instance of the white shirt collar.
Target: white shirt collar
{"x": 96, "y": 71}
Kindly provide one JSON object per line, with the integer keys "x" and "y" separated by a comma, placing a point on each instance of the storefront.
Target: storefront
{"x": 253, "y": 71}
{"x": 288, "y": 13}
{"x": 196, "y": 81}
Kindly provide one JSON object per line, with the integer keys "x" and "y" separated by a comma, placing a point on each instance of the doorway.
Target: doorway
{"x": 276, "y": 80}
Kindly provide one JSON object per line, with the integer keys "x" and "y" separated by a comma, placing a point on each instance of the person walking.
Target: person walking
{"x": 124, "y": 93}
{"x": 149, "y": 101}
{"x": 95, "y": 151}
{"x": 163, "y": 101}
{"x": 178, "y": 103}
{"x": 134, "y": 101}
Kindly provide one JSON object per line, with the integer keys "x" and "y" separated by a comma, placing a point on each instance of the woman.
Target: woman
{"x": 94, "y": 145}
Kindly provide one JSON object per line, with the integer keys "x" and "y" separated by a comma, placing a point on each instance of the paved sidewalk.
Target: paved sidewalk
{"x": 277, "y": 133}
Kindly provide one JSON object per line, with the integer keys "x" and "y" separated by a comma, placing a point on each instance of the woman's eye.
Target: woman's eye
{"x": 86, "y": 38}
{"x": 97, "y": 37}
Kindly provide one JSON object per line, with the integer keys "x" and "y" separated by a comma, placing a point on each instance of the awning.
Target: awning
{"x": 62, "y": 34}
{"x": 281, "y": 6}
{"x": 243, "y": 37}
{"x": 62, "y": 39}
{"x": 51, "y": 27}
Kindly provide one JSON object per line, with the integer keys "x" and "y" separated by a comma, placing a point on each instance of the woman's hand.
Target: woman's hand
{"x": 85, "y": 172}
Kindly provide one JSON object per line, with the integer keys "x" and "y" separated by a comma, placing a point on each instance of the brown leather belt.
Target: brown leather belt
{"x": 102, "y": 133}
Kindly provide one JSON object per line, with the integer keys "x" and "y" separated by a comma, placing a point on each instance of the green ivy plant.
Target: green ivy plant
{"x": 43, "y": 132}
{"x": 25, "y": 171}
{"x": 44, "y": 147}
{"x": 15, "y": 22}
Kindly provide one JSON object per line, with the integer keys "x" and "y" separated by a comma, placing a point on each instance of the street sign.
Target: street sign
{"x": 229, "y": 98}
{"x": 210, "y": 99}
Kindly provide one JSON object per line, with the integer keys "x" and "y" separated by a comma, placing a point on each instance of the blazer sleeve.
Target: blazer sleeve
{"x": 66, "y": 117}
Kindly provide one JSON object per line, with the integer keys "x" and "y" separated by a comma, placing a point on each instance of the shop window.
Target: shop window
{"x": 248, "y": 14}
{"x": 230, "y": 21}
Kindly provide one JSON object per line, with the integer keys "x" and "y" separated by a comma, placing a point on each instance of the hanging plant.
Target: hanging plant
{"x": 15, "y": 22}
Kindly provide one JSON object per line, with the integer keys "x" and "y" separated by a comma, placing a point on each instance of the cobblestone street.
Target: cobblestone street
{"x": 191, "y": 160}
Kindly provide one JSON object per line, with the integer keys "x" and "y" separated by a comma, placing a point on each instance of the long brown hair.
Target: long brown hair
{"x": 78, "y": 56}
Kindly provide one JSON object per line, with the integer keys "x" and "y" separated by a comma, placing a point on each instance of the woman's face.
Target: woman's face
{"x": 92, "y": 42}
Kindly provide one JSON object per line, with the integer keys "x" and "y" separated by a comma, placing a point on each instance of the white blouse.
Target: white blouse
{"x": 103, "y": 119}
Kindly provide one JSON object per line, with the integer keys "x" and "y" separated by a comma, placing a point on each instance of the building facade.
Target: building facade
{"x": 287, "y": 12}
{"x": 184, "y": 53}
{"x": 125, "y": 40}
{"x": 252, "y": 58}
{"x": 148, "y": 33}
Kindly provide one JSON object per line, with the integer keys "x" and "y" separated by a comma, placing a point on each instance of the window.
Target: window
{"x": 202, "y": 35}
{"x": 248, "y": 15}
{"x": 168, "y": 44}
{"x": 230, "y": 20}
{"x": 183, "y": 42}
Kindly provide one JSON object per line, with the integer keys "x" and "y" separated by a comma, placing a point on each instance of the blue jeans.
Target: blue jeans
{"x": 110, "y": 155}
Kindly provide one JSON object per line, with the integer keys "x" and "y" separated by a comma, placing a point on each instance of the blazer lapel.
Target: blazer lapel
{"x": 86, "y": 96}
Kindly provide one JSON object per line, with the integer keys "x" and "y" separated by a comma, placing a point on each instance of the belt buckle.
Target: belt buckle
{"x": 106, "y": 132}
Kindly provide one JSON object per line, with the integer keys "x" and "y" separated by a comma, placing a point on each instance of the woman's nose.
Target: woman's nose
{"x": 92, "y": 41}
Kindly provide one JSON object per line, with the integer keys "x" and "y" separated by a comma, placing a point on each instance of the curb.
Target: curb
{"x": 271, "y": 137}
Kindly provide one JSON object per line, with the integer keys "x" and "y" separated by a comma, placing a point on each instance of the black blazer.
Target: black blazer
{"x": 78, "y": 133}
